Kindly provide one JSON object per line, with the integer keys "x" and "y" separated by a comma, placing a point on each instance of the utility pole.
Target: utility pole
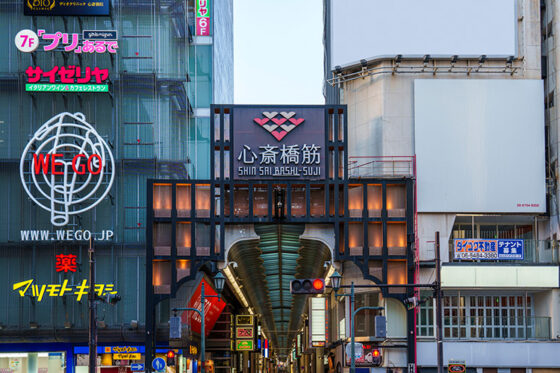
{"x": 439, "y": 328}
{"x": 92, "y": 311}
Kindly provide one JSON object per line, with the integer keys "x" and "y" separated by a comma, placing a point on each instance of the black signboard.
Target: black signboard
{"x": 66, "y": 7}
{"x": 279, "y": 143}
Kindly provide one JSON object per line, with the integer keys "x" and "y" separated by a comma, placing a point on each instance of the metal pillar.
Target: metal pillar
{"x": 202, "y": 324}
{"x": 438, "y": 309}
{"x": 92, "y": 311}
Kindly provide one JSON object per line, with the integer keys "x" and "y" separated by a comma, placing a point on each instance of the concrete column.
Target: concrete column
{"x": 32, "y": 364}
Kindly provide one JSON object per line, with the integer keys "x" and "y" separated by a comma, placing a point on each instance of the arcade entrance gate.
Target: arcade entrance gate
{"x": 281, "y": 165}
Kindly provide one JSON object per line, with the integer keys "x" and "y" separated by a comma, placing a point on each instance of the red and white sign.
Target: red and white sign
{"x": 202, "y": 17}
{"x": 213, "y": 308}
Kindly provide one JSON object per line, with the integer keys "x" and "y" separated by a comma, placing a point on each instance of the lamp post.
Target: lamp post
{"x": 219, "y": 281}
{"x": 335, "y": 278}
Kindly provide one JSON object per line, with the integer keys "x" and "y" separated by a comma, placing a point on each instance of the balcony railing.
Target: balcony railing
{"x": 380, "y": 166}
{"x": 535, "y": 251}
{"x": 509, "y": 328}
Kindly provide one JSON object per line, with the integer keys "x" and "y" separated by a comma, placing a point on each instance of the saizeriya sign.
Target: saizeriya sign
{"x": 283, "y": 143}
{"x": 67, "y": 168}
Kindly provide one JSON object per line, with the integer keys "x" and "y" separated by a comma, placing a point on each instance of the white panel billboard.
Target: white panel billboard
{"x": 480, "y": 145}
{"x": 366, "y": 29}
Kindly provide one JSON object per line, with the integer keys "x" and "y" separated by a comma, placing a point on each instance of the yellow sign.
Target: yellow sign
{"x": 244, "y": 320}
{"x": 55, "y": 290}
{"x": 127, "y": 356}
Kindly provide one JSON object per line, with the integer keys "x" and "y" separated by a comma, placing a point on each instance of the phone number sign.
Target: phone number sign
{"x": 488, "y": 249}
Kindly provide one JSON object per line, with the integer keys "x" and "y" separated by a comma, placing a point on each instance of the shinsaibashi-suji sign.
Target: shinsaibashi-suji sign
{"x": 279, "y": 144}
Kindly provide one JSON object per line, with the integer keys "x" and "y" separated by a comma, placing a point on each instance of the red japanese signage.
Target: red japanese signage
{"x": 212, "y": 309}
{"x": 65, "y": 263}
{"x": 203, "y": 17}
{"x": 67, "y": 74}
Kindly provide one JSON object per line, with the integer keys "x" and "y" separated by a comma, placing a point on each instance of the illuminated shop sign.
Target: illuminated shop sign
{"x": 94, "y": 88}
{"x": 496, "y": 249}
{"x": 66, "y": 7}
{"x": 67, "y": 168}
{"x": 91, "y": 42}
{"x": 39, "y": 291}
{"x": 279, "y": 144}
{"x": 68, "y": 75}
{"x": 202, "y": 17}
{"x": 245, "y": 332}
{"x": 245, "y": 345}
{"x": 66, "y": 263}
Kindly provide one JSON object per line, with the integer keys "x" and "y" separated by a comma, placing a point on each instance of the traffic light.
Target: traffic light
{"x": 376, "y": 357}
{"x": 308, "y": 286}
{"x": 170, "y": 358}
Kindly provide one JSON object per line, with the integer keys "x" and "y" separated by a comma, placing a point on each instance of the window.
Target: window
{"x": 469, "y": 316}
{"x": 425, "y": 316}
{"x": 488, "y": 316}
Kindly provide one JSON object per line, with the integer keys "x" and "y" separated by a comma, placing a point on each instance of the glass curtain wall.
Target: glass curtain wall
{"x": 157, "y": 78}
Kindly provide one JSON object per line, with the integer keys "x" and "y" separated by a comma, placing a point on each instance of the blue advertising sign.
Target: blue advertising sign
{"x": 137, "y": 367}
{"x": 488, "y": 249}
{"x": 158, "y": 364}
{"x": 65, "y": 8}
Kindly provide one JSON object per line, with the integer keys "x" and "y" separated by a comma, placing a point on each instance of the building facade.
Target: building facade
{"x": 129, "y": 83}
{"x": 419, "y": 86}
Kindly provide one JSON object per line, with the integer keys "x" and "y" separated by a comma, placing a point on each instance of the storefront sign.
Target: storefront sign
{"x": 202, "y": 18}
{"x": 279, "y": 144}
{"x": 67, "y": 168}
{"x": 127, "y": 356}
{"x": 366, "y": 358}
{"x": 487, "y": 249}
{"x": 244, "y": 319}
{"x": 57, "y": 290}
{"x": 456, "y": 366}
{"x": 66, "y": 263}
{"x": 66, "y": 7}
{"x": 92, "y": 41}
{"x": 67, "y": 74}
{"x": 244, "y": 332}
{"x": 245, "y": 345}
{"x": 93, "y": 88}
{"x": 213, "y": 308}
{"x": 121, "y": 349}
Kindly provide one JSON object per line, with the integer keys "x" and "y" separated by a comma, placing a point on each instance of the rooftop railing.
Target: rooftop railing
{"x": 380, "y": 166}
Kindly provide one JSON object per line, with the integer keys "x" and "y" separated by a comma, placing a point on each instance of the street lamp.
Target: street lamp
{"x": 335, "y": 278}
{"x": 219, "y": 281}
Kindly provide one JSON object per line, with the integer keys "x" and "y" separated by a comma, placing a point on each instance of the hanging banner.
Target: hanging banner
{"x": 213, "y": 308}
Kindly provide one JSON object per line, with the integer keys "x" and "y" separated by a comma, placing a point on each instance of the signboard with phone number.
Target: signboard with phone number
{"x": 488, "y": 249}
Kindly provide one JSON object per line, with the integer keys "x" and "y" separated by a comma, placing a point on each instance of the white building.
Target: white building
{"x": 469, "y": 89}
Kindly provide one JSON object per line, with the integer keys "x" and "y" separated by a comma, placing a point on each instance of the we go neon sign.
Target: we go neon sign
{"x": 67, "y": 168}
